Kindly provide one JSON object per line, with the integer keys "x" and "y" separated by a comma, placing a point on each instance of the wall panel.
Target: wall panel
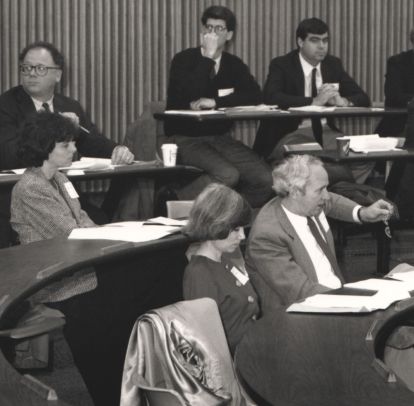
{"x": 118, "y": 51}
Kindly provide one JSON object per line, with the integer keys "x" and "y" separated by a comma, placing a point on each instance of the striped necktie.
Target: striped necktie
{"x": 324, "y": 247}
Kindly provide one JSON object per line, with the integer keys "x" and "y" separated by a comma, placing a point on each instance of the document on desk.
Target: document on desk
{"x": 326, "y": 303}
{"x": 380, "y": 284}
{"x": 88, "y": 164}
{"x": 311, "y": 108}
{"x": 133, "y": 231}
{"x": 18, "y": 171}
{"x": 373, "y": 143}
{"x": 193, "y": 113}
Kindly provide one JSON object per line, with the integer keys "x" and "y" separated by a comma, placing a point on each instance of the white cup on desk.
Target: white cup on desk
{"x": 169, "y": 154}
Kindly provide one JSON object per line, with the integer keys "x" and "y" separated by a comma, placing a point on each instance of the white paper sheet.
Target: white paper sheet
{"x": 348, "y": 303}
{"x": 194, "y": 112}
{"x": 133, "y": 231}
{"x": 317, "y": 109}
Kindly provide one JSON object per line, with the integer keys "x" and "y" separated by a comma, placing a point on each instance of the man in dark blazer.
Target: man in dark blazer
{"x": 41, "y": 67}
{"x": 206, "y": 78}
{"x": 284, "y": 258}
{"x": 289, "y": 84}
{"x": 399, "y": 89}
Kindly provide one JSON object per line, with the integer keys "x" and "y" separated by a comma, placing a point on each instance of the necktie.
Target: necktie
{"x": 316, "y": 122}
{"x": 213, "y": 71}
{"x": 46, "y": 107}
{"x": 324, "y": 246}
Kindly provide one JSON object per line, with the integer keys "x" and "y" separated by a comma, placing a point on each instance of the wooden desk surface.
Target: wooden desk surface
{"x": 285, "y": 114}
{"x": 26, "y": 269}
{"x": 142, "y": 169}
{"x": 317, "y": 359}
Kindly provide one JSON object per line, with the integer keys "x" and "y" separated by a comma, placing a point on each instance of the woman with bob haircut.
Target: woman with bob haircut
{"x": 216, "y": 221}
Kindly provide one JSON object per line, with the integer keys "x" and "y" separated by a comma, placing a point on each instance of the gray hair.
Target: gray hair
{"x": 293, "y": 173}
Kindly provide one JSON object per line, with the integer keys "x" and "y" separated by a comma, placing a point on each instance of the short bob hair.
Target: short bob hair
{"x": 311, "y": 26}
{"x": 220, "y": 13}
{"x": 39, "y": 135}
{"x": 293, "y": 173}
{"x": 216, "y": 212}
{"x": 57, "y": 57}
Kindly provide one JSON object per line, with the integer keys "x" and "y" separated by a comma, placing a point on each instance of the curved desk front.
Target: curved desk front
{"x": 297, "y": 359}
{"x": 26, "y": 269}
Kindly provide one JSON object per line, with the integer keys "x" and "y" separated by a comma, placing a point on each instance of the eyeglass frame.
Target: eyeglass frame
{"x": 218, "y": 29}
{"x": 35, "y": 68}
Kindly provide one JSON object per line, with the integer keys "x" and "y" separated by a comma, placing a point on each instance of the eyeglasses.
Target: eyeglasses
{"x": 218, "y": 29}
{"x": 40, "y": 70}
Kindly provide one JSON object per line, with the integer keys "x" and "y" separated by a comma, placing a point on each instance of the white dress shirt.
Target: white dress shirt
{"x": 39, "y": 104}
{"x": 307, "y": 69}
{"x": 319, "y": 260}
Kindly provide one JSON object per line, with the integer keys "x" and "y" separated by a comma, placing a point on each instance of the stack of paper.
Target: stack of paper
{"x": 312, "y": 108}
{"x": 372, "y": 143}
{"x": 322, "y": 303}
{"x": 133, "y": 231}
{"x": 88, "y": 164}
{"x": 193, "y": 112}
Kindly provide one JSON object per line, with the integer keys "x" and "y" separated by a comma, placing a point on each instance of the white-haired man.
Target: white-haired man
{"x": 290, "y": 251}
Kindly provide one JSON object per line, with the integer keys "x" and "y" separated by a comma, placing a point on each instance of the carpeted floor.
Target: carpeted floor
{"x": 357, "y": 259}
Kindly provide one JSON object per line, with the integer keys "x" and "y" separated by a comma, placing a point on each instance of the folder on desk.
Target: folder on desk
{"x": 328, "y": 303}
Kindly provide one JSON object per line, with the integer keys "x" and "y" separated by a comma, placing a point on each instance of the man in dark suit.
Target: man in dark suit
{"x": 41, "y": 67}
{"x": 306, "y": 76}
{"x": 290, "y": 251}
{"x": 399, "y": 89}
{"x": 205, "y": 78}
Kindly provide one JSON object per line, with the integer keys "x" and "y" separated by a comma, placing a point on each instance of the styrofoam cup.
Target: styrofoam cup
{"x": 169, "y": 154}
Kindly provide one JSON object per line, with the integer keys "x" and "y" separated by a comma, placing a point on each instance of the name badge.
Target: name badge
{"x": 225, "y": 92}
{"x": 240, "y": 276}
{"x": 71, "y": 190}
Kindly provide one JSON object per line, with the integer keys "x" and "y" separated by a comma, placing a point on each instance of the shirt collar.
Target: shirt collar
{"x": 39, "y": 104}
{"x": 307, "y": 67}
{"x": 216, "y": 60}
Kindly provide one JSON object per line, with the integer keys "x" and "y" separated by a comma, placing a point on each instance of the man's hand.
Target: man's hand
{"x": 121, "y": 155}
{"x": 209, "y": 44}
{"x": 338, "y": 101}
{"x": 326, "y": 93}
{"x": 203, "y": 104}
{"x": 378, "y": 211}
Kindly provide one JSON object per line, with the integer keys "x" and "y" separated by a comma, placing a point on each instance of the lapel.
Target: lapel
{"x": 287, "y": 227}
{"x": 25, "y": 102}
{"x": 297, "y": 72}
{"x": 326, "y": 71}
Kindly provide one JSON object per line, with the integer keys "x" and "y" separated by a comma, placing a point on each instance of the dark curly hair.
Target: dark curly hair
{"x": 39, "y": 135}
{"x": 216, "y": 212}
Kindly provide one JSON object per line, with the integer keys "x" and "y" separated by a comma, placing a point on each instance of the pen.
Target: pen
{"x": 84, "y": 129}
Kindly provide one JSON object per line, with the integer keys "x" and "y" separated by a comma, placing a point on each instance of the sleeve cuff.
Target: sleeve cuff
{"x": 355, "y": 214}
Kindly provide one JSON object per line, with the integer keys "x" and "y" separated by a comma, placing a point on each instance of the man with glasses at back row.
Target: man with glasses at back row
{"x": 205, "y": 78}
{"x": 41, "y": 68}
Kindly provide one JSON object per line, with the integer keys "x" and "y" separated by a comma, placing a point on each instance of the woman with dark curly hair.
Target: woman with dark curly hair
{"x": 216, "y": 220}
{"x": 44, "y": 202}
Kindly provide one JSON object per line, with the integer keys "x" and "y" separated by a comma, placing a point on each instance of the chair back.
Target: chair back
{"x": 179, "y": 209}
{"x": 181, "y": 348}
